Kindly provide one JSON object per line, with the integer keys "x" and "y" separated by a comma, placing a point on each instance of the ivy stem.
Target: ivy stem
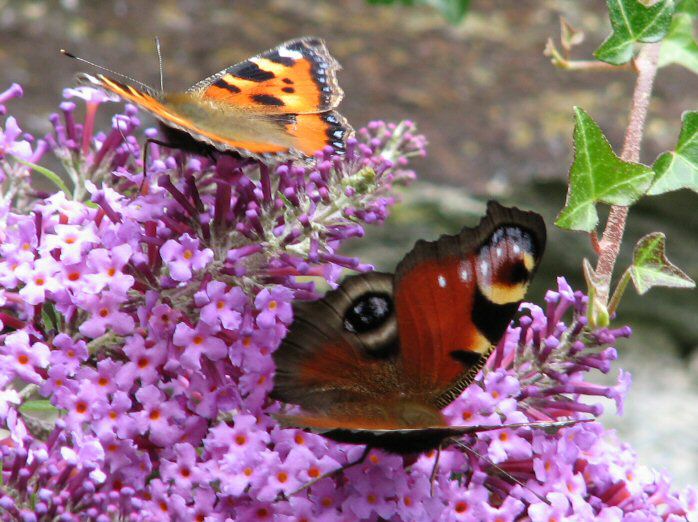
{"x": 618, "y": 293}
{"x": 646, "y": 64}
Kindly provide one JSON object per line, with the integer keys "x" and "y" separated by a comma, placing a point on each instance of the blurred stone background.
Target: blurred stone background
{"x": 498, "y": 117}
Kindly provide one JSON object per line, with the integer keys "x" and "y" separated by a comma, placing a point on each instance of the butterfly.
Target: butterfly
{"x": 375, "y": 360}
{"x": 277, "y": 105}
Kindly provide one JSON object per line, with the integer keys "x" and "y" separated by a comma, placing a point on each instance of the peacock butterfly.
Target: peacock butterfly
{"x": 376, "y": 360}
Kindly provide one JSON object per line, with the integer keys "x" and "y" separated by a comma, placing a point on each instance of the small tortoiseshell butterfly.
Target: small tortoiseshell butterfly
{"x": 375, "y": 360}
{"x": 278, "y": 105}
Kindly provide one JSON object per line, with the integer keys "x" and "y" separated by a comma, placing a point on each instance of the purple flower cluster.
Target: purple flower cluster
{"x": 139, "y": 314}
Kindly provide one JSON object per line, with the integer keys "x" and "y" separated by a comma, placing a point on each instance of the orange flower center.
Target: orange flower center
{"x": 461, "y": 507}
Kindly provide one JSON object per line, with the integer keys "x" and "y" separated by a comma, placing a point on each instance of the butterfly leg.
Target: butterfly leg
{"x": 334, "y": 472}
{"x": 434, "y": 471}
{"x": 148, "y": 141}
{"x": 468, "y": 449}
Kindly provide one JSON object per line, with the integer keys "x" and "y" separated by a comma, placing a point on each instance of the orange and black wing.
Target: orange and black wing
{"x": 258, "y": 138}
{"x": 299, "y": 76}
{"x": 454, "y": 298}
{"x": 296, "y": 78}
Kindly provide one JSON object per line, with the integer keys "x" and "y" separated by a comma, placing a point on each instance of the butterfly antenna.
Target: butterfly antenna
{"x": 71, "y": 55}
{"x": 332, "y": 473}
{"x": 511, "y": 477}
{"x": 157, "y": 47}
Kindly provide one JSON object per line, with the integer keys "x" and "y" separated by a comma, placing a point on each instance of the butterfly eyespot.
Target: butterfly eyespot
{"x": 442, "y": 281}
{"x": 518, "y": 273}
{"x": 369, "y": 312}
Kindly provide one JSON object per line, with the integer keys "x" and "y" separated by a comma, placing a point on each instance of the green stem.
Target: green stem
{"x": 618, "y": 293}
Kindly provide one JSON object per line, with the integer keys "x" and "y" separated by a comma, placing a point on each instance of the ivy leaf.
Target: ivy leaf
{"x": 678, "y": 169}
{"x": 598, "y": 175}
{"x": 633, "y": 22}
{"x": 651, "y": 267}
{"x": 687, "y": 6}
{"x": 679, "y": 46}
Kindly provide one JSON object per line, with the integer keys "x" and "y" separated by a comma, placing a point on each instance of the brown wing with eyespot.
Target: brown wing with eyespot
{"x": 341, "y": 349}
{"x": 454, "y": 298}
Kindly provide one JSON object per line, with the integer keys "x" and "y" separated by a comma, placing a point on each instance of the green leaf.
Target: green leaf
{"x": 597, "y": 313}
{"x": 452, "y": 10}
{"x": 598, "y": 175}
{"x": 633, "y": 22}
{"x": 50, "y": 317}
{"x": 678, "y": 169}
{"x": 687, "y": 6}
{"x": 651, "y": 267}
{"x": 39, "y": 406}
{"x": 48, "y": 174}
{"x": 680, "y": 46}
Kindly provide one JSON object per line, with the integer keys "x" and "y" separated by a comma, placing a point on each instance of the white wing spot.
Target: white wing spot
{"x": 484, "y": 267}
{"x": 499, "y": 251}
{"x": 290, "y": 53}
{"x": 516, "y": 249}
{"x": 463, "y": 272}
{"x": 442, "y": 281}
